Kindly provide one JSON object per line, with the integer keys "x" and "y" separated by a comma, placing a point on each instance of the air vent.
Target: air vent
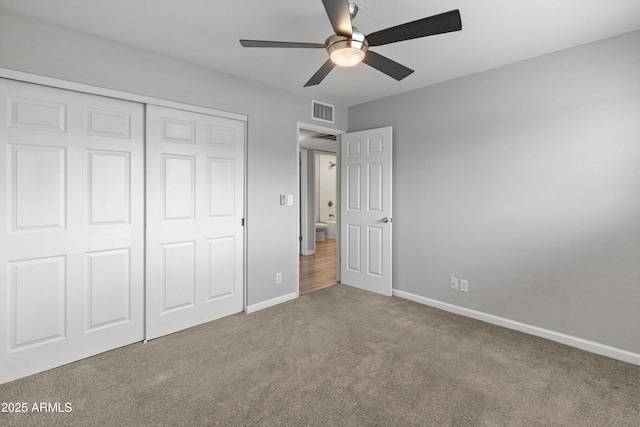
{"x": 322, "y": 112}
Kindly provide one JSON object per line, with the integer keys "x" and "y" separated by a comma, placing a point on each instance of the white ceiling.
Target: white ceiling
{"x": 206, "y": 32}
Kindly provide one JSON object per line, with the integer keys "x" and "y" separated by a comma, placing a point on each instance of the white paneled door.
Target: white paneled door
{"x": 365, "y": 211}
{"x": 195, "y": 205}
{"x": 71, "y": 226}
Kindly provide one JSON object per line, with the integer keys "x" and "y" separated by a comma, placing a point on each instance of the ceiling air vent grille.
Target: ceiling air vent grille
{"x": 322, "y": 112}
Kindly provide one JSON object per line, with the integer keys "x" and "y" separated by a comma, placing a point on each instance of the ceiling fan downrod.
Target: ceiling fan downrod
{"x": 353, "y": 10}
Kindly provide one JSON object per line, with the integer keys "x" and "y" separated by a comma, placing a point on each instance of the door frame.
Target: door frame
{"x": 303, "y": 213}
{"x": 26, "y": 77}
{"x": 303, "y": 208}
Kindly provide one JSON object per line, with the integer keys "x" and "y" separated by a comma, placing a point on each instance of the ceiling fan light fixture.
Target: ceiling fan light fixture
{"x": 347, "y": 56}
{"x": 347, "y": 51}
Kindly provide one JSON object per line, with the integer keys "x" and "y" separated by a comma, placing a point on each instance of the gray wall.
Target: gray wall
{"x": 34, "y": 46}
{"x": 524, "y": 180}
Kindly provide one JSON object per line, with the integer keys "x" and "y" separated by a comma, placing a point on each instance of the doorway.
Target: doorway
{"x": 319, "y": 217}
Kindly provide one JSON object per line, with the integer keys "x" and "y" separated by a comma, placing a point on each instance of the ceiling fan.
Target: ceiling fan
{"x": 348, "y": 46}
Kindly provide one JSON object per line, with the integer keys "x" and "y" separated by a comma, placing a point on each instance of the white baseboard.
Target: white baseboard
{"x": 269, "y": 303}
{"x": 591, "y": 346}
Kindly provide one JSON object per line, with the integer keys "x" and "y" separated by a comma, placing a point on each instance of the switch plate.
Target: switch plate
{"x": 278, "y": 277}
{"x": 464, "y": 285}
{"x": 283, "y": 199}
{"x": 454, "y": 283}
{"x": 290, "y": 199}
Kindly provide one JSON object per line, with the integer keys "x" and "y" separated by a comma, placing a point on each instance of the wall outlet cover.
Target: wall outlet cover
{"x": 464, "y": 285}
{"x": 454, "y": 283}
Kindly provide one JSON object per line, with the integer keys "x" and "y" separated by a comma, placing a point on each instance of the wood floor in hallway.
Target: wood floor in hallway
{"x": 318, "y": 271}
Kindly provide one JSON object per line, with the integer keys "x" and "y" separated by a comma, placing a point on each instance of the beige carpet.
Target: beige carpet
{"x": 337, "y": 357}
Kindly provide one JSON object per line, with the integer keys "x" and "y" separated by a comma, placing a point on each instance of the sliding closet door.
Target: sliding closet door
{"x": 195, "y": 185}
{"x": 71, "y": 226}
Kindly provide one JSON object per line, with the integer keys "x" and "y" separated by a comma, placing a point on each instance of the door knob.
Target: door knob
{"x": 385, "y": 220}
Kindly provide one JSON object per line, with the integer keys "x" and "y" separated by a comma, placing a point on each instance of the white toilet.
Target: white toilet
{"x": 321, "y": 229}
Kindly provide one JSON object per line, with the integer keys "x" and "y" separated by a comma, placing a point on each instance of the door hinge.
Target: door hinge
{"x": 242, "y": 222}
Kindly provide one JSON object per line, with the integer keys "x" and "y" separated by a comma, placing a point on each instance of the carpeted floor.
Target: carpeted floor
{"x": 337, "y": 357}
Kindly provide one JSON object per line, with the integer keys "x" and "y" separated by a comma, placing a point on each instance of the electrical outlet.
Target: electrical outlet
{"x": 278, "y": 277}
{"x": 454, "y": 283}
{"x": 290, "y": 200}
{"x": 464, "y": 285}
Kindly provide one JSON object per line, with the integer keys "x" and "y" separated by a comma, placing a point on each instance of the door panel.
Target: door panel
{"x": 220, "y": 185}
{"x": 71, "y": 226}
{"x": 37, "y": 114}
{"x": 178, "y": 187}
{"x": 221, "y": 267}
{"x": 195, "y": 196}
{"x": 353, "y": 248}
{"x": 38, "y": 199}
{"x": 375, "y": 187}
{"x": 38, "y": 304}
{"x": 365, "y": 203}
{"x": 109, "y": 183}
{"x": 375, "y": 243}
{"x": 178, "y": 276}
{"x": 353, "y": 187}
{"x": 108, "y": 288}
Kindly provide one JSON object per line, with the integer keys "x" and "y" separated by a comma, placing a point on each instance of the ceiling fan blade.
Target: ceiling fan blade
{"x": 338, "y": 12}
{"x": 267, "y": 43}
{"x": 321, "y": 73}
{"x": 386, "y": 65}
{"x": 436, "y": 24}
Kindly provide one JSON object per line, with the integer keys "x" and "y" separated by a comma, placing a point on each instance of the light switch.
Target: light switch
{"x": 290, "y": 199}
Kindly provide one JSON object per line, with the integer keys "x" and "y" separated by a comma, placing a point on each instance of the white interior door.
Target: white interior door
{"x": 195, "y": 205}
{"x": 71, "y": 226}
{"x": 365, "y": 210}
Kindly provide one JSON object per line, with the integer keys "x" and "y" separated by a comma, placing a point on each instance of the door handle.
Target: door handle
{"x": 386, "y": 220}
